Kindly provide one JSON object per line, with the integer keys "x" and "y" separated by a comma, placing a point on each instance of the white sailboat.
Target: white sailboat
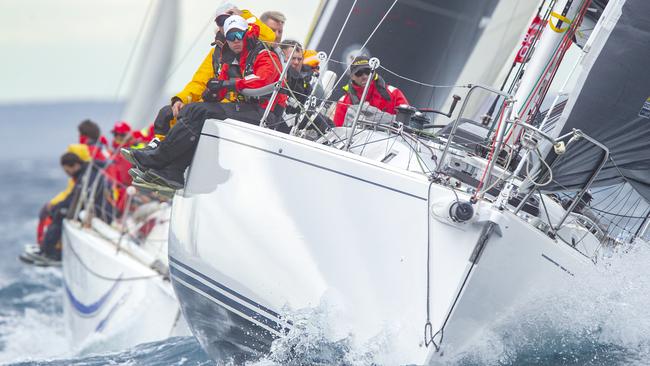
{"x": 402, "y": 231}
{"x": 117, "y": 288}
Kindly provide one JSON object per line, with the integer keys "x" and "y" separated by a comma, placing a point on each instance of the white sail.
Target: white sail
{"x": 155, "y": 58}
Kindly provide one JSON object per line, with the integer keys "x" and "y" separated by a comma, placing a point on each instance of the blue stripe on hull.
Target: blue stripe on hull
{"x": 224, "y": 334}
{"x": 243, "y": 298}
{"x": 225, "y": 300}
{"x": 89, "y": 309}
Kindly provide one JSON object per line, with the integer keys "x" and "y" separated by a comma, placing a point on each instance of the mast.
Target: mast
{"x": 546, "y": 59}
{"x": 156, "y": 55}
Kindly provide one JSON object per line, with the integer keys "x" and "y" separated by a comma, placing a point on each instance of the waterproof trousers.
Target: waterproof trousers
{"x": 177, "y": 150}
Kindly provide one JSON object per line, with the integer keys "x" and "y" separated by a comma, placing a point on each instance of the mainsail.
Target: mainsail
{"x": 423, "y": 40}
{"x": 611, "y": 103}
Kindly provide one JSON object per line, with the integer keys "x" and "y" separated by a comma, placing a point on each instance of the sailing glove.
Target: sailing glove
{"x": 216, "y": 85}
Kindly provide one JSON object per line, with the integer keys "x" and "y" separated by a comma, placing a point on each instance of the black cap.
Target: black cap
{"x": 361, "y": 62}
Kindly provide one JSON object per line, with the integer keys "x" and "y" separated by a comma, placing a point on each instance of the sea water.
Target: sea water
{"x": 601, "y": 320}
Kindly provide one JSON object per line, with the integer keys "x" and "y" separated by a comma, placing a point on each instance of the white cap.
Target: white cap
{"x": 234, "y": 22}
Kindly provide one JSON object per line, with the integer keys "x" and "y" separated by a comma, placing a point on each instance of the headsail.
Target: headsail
{"x": 611, "y": 103}
{"x": 423, "y": 40}
{"x": 155, "y": 58}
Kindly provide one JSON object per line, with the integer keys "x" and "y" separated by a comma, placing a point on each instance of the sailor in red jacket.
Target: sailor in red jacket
{"x": 246, "y": 63}
{"x": 380, "y": 95}
{"x": 90, "y": 134}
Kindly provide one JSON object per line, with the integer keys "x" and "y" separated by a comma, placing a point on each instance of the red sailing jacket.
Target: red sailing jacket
{"x": 262, "y": 70}
{"x": 373, "y": 97}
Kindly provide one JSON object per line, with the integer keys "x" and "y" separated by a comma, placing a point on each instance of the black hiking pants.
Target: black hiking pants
{"x": 177, "y": 150}
{"x": 162, "y": 121}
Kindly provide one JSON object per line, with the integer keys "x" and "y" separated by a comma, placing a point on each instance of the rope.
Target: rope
{"x": 428, "y": 327}
{"x": 107, "y": 278}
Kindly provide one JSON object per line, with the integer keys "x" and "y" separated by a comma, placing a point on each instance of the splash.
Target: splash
{"x": 599, "y": 320}
{"x": 318, "y": 338}
{"x": 30, "y": 317}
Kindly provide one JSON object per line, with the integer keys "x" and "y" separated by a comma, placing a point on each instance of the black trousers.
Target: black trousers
{"x": 161, "y": 123}
{"x": 177, "y": 150}
{"x": 53, "y": 235}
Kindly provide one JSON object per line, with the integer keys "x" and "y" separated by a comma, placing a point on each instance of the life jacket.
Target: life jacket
{"x": 230, "y": 63}
{"x": 380, "y": 84}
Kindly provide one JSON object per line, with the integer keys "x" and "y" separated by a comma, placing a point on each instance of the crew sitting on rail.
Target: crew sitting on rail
{"x": 117, "y": 170}
{"x": 246, "y": 63}
{"x": 75, "y": 162}
{"x": 381, "y": 97}
{"x": 208, "y": 69}
{"x": 90, "y": 135}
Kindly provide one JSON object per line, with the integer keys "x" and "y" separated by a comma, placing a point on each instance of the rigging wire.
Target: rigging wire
{"x": 196, "y": 40}
{"x": 381, "y": 21}
{"x": 409, "y": 79}
{"x": 133, "y": 48}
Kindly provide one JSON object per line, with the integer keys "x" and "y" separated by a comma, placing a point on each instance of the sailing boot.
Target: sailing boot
{"x": 146, "y": 159}
{"x": 168, "y": 177}
{"x": 136, "y": 173}
{"x": 152, "y": 187}
{"x": 173, "y": 174}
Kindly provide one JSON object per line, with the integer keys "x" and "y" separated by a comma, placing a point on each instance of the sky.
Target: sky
{"x": 78, "y": 49}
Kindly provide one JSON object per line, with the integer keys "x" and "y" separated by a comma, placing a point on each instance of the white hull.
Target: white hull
{"x": 271, "y": 223}
{"x": 104, "y": 313}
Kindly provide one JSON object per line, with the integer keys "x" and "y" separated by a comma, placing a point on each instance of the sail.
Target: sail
{"x": 155, "y": 58}
{"x": 428, "y": 41}
{"x": 611, "y": 103}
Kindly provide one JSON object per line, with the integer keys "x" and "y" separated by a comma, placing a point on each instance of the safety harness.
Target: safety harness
{"x": 380, "y": 84}
{"x": 228, "y": 59}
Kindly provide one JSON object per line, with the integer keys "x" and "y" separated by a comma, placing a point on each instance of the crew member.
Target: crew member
{"x": 380, "y": 95}
{"x": 299, "y": 76}
{"x": 118, "y": 168}
{"x": 193, "y": 91}
{"x": 74, "y": 165}
{"x": 252, "y": 66}
{"x": 90, "y": 135}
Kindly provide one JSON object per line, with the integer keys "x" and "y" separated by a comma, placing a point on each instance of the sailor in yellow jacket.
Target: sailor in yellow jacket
{"x": 207, "y": 70}
{"x": 45, "y": 216}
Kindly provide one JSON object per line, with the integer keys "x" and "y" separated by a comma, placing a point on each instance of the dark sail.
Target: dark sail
{"x": 611, "y": 104}
{"x": 428, "y": 41}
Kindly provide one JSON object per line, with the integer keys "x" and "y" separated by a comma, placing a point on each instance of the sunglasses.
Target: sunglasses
{"x": 362, "y": 72}
{"x": 234, "y": 36}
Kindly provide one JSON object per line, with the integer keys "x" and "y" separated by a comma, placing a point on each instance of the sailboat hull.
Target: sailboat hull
{"x": 105, "y": 307}
{"x": 270, "y": 225}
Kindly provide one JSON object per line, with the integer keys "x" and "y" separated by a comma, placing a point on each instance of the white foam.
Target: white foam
{"x": 607, "y": 312}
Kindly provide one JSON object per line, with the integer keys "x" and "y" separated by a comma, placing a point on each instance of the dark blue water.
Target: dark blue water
{"x": 604, "y": 320}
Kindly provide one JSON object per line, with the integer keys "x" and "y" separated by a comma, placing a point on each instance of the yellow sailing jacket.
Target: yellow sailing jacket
{"x": 81, "y": 150}
{"x": 193, "y": 90}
